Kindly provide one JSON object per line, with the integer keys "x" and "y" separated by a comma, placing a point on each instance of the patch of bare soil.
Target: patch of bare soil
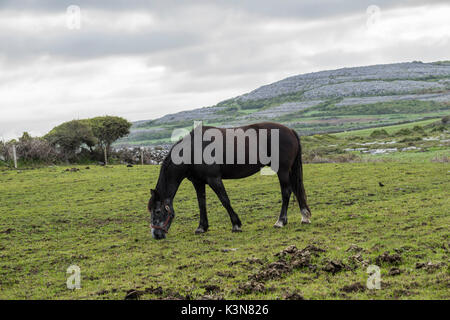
{"x": 394, "y": 272}
{"x": 251, "y": 287}
{"x": 386, "y": 257}
{"x": 7, "y": 231}
{"x": 355, "y": 287}
{"x": 429, "y": 266}
{"x": 135, "y": 294}
{"x": 399, "y": 293}
{"x": 354, "y": 248}
{"x": 225, "y": 274}
{"x": 289, "y": 259}
{"x": 292, "y": 296}
{"x": 334, "y": 266}
{"x": 273, "y": 270}
{"x": 254, "y": 261}
{"x": 211, "y": 297}
{"x": 356, "y": 260}
{"x": 211, "y": 288}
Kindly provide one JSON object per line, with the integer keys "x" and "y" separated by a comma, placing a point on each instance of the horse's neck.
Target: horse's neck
{"x": 170, "y": 178}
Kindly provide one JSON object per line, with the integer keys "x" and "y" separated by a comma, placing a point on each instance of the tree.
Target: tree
{"x": 108, "y": 129}
{"x": 25, "y": 137}
{"x": 70, "y": 136}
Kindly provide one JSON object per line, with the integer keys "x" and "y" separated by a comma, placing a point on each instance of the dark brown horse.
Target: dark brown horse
{"x": 241, "y": 155}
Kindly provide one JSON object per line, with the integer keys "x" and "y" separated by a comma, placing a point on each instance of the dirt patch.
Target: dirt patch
{"x": 184, "y": 266}
{"x": 399, "y": 293}
{"x": 133, "y": 294}
{"x": 429, "y": 266}
{"x": 232, "y": 263}
{"x": 354, "y": 248}
{"x": 290, "y": 258}
{"x": 356, "y": 260}
{"x": 334, "y": 266}
{"x": 394, "y": 272}
{"x": 386, "y": 257}
{"x": 7, "y": 231}
{"x": 102, "y": 292}
{"x": 211, "y": 288}
{"x": 355, "y": 287}
{"x": 292, "y": 296}
{"x": 251, "y": 287}
{"x": 293, "y": 251}
{"x": 210, "y": 297}
{"x": 254, "y": 261}
{"x": 273, "y": 270}
{"x": 225, "y": 274}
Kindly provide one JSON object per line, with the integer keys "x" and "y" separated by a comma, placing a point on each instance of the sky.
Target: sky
{"x": 62, "y": 60}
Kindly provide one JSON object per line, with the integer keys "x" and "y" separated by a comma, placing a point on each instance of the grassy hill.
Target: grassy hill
{"x": 322, "y": 102}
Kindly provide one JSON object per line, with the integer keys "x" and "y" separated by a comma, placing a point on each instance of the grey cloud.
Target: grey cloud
{"x": 93, "y": 44}
{"x": 307, "y": 9}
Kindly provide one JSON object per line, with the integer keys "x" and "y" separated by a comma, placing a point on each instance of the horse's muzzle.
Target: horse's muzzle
{"x": 158, "y": 234}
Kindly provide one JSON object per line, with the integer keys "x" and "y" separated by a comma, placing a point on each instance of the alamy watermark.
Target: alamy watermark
{"x": 74, "y": 280}
{"x": 227, "y": 146}
{"x": 73, "y": 17}
{"x": 374, "y": 280}
{"x": 373, "y": 17}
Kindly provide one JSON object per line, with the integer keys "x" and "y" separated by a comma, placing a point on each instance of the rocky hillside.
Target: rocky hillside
{"x": 326, "y": 101}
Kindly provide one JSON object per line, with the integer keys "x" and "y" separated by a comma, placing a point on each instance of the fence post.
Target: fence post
{"x": 14, "y": 155}
{"x": 106, "y": 155}
{"x": 142, "y": 155}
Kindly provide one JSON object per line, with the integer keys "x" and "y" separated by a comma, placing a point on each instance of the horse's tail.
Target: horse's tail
{"x": 296, "y": 179}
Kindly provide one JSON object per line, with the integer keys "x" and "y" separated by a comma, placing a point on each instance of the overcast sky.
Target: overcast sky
{"x": 144, "y": 59}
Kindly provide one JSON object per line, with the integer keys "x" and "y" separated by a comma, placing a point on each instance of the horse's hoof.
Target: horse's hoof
{"x": 305, "y": 221}
{"x": 200, "y": 230}
{"x": 306, "y": 214}
{"x": 279, "y": 224}
{"x": 236, "y": 229}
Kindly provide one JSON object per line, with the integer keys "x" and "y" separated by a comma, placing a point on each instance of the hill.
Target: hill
{"x": 322, "y": 102}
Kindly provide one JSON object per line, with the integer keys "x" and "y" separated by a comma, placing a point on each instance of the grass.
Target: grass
{"x": 96, "y": 219}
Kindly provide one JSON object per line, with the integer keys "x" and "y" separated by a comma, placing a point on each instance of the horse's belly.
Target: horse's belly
{"x": 239, "y": 171}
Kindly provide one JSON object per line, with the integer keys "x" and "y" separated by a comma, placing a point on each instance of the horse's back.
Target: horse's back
{"x": 287, "y": 145}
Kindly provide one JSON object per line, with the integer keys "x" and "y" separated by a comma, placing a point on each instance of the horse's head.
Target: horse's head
{"x": 161, "y": 215}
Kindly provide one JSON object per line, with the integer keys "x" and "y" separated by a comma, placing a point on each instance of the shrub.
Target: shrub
{"x": 418, "y": 129}
{"x": 404, "y": 132}
{"x": 381, "y": 133}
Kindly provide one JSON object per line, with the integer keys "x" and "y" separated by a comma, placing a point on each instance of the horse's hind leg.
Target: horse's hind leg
{"x": 304, "y": 209}
{"x": 217, "y": 185}
{"x": 201, "y": 197}
{"x": 286, "y": 191}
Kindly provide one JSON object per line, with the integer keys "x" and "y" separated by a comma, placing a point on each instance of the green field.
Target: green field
{"x": 96, "y": 218}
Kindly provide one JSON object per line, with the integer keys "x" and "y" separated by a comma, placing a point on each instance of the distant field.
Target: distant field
{"x": 390, "y": 129}
{"x": 97, "y": 219}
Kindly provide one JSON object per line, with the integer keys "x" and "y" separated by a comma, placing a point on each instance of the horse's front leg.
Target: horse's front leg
{"x": 201, "y": 197}
{"x": 217, "y": 185}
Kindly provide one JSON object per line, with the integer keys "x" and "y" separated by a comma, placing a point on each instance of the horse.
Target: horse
{"x": 239, "y": 165}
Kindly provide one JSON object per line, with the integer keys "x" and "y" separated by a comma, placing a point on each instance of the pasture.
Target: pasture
{"x": 96, "y": 219}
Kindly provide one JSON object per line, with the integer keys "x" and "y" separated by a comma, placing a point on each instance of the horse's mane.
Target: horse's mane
{"x": 162, "y": 180}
